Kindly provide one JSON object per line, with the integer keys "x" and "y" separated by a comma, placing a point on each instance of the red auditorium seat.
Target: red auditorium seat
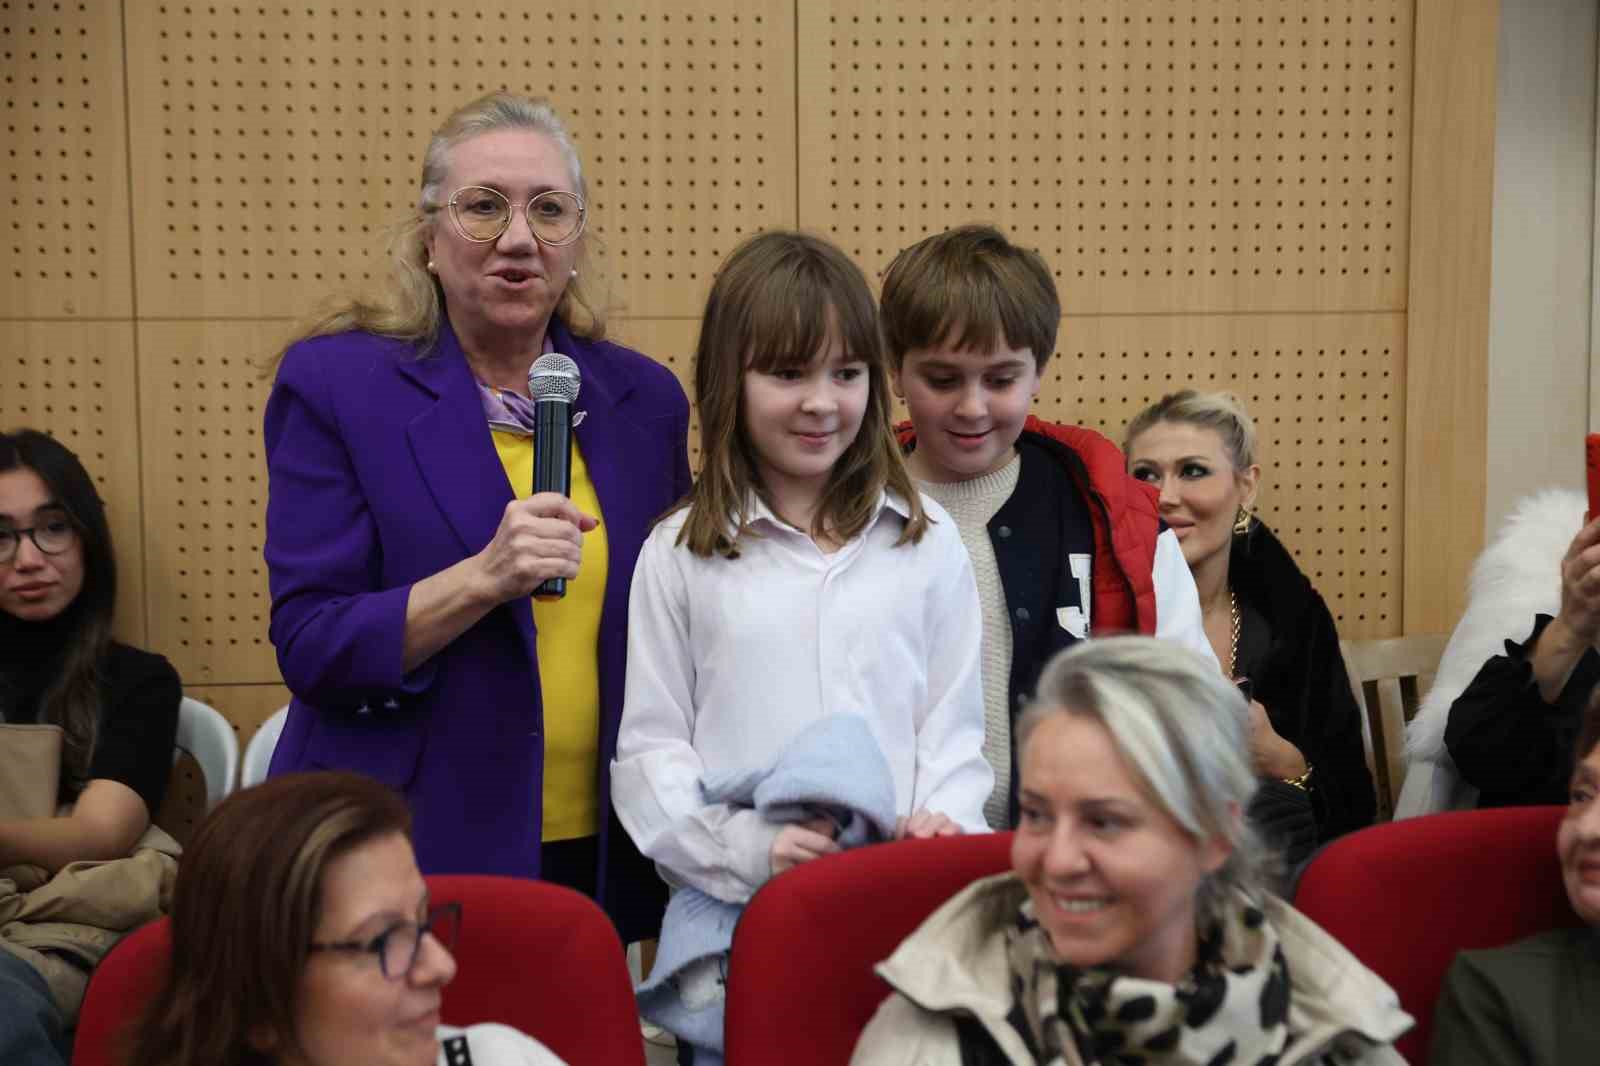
{"x": 1406, "y": 896}
{"x": 537, "y": 957}
{"x": 806, "y": 945}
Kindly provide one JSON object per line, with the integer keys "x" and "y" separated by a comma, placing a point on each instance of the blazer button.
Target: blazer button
{"x": 1022, "y": 614}
{"x": 1004, "y": 531}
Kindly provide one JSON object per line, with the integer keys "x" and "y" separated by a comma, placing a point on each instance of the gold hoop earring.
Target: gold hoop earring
{"x": 1241, "y": 524}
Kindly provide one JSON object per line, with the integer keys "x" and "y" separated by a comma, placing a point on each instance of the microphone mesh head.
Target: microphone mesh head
{"x": 553, "y": 377}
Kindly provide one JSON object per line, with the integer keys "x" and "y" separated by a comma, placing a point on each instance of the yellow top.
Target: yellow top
{"x": 569, "y": 665}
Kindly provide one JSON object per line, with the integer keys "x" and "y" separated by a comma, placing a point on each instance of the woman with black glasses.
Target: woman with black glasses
{"x": 303, "y": 935}
{"x": 405, "y": 541}
{"x": 116, "y": 707}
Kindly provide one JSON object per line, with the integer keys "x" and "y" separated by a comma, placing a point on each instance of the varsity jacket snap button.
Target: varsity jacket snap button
{"x": 1022, "y": 614}
{"x": 1004, "y": 531}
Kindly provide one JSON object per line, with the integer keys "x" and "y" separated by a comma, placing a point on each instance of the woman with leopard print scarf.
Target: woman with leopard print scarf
{"x": 1136, "y": 926}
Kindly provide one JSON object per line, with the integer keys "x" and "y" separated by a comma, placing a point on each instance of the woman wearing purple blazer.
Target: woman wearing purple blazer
{"x": 404, "y": 542}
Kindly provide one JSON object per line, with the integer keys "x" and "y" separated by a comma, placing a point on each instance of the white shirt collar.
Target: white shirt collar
{"x": 758, "y": 511}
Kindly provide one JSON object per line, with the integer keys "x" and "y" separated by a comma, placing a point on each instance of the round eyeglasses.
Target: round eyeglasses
{"x": 481, "y": 215}
{"x": 397, "y": 947}
{"x": 51, "y": 536}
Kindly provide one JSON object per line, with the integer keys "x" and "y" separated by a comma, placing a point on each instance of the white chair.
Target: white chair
{"x": 205, "y": 734}
{"x": 258, "y": 753}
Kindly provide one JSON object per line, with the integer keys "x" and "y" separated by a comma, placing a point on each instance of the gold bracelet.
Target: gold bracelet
{"x": 1303, "y": 781}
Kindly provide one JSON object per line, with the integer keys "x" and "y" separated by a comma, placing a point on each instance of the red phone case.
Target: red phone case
{"x": 1591, "y": 460}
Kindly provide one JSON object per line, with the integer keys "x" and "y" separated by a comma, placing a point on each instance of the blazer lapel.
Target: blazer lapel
{"x": 452, "y": 447}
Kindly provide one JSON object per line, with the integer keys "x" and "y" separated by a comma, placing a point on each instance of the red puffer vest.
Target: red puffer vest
{"x": 1126, "y": 523}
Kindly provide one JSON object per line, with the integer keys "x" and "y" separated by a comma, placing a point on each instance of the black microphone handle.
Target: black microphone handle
{"x": 552, "y": 468}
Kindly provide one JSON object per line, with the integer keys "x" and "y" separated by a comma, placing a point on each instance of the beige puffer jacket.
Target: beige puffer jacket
{"x": 956, "y": 963}
{"x": 83, "y": 911}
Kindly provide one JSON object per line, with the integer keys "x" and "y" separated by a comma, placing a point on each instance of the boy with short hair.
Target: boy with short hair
{"x": 1064, "y": 542}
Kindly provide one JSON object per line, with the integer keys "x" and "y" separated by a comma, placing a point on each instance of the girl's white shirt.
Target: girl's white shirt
{"x": 728, "y": 659}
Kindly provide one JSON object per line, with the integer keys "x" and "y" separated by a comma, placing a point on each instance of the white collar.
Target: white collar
{"x": 757, "y": 512}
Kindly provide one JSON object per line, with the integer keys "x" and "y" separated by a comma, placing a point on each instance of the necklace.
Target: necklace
{"x": 1233, "y": 617}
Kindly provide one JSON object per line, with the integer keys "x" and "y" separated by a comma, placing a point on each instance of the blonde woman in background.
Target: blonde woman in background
{"x": 1271, "y": 631}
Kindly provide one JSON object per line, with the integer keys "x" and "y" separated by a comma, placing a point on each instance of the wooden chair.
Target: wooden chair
{"x": 1389, "y": 677}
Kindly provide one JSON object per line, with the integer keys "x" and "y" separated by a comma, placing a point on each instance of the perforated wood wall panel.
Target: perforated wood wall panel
{"x": 1221, "y": 155}
{"x": 275, "y": 142}
{"x": 201, "y": 399}
{"x": 64, "y": 208}
{"x": 76, "y": 381}
{"x": 1221, "y": 187}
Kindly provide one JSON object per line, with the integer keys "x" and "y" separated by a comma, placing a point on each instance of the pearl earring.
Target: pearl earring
{"x": 574, "y": 271}
{"x": 432, "y": 269}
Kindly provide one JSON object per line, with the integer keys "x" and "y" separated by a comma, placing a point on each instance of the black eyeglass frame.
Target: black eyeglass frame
{"x": 14, "y": 536}
{"x": 379, "y": 945}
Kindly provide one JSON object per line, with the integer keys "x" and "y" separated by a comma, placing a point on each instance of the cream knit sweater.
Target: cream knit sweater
{"x": 972, "y": 504}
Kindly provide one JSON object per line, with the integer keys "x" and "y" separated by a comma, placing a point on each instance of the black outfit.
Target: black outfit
{"x": 138, "y": 712}
{"x": 1506, "y": 740}
{"x": 1289, "y": 649}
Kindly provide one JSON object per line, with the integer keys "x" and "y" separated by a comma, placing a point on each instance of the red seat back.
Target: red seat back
{"x": 806, "y": 945}
{"x": 1406, "y": 896}
{"x": 121, "y": 986}
{"x": 536, "y": 957}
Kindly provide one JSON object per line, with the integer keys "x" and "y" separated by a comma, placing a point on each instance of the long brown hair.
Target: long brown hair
{"x": 777, "y": 298}
{"x": 412, "y": 308}
{"x": 72, "y": 699}
{"x": 245, "y": 910}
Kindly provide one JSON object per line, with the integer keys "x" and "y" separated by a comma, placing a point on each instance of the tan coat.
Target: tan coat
{"x": 83, "y": 911}
{"x": 956, "y": 962}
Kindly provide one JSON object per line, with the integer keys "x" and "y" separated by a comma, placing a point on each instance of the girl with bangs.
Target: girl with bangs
{"x": 802, "y": 577}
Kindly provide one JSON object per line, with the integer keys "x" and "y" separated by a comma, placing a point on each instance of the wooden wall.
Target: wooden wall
{"x": 1288, "y": 199}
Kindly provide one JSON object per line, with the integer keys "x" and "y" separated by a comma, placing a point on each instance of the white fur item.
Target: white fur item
{"x": 1516, "y": 577}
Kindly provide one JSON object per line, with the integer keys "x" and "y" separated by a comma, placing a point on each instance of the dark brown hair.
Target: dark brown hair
{"x": 244, "y": 912}
{"x": 776, "y": 301}
{"x": 966, "y": 288}
{"x": 72, "y": 699}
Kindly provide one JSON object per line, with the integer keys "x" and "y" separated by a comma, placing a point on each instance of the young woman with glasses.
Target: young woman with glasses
{"x": 303, "y": 935}
{"x": 117, "y": 708}
{"x": 404, "y": 540}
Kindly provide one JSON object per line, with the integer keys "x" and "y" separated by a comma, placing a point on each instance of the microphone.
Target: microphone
{"x": 553, "y": 383}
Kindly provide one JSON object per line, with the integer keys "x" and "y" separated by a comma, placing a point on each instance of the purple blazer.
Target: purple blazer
{"x": 382, "y": 472}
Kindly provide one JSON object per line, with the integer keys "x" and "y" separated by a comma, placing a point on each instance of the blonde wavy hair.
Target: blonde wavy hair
{"x": 412, "y": 308}
{"x": 1220, "y": 411}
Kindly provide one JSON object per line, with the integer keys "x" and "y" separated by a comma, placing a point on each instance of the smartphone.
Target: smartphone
{"x": 1591, "y": 463}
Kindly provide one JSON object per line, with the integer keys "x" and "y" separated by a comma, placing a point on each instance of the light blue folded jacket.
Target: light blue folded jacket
{"x": 834, "y": 769}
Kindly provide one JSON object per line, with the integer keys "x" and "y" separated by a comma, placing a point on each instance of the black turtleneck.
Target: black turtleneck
{"x": 138, "y": 710}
